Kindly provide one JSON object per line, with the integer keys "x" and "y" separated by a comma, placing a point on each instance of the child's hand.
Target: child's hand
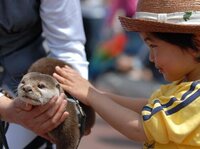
{"x": 73, "y": 83}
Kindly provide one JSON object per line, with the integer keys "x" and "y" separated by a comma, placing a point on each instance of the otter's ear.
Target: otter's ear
{"x": 58, "y": 86}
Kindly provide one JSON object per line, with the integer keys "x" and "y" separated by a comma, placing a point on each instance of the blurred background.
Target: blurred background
{"x": 118, "y": 63}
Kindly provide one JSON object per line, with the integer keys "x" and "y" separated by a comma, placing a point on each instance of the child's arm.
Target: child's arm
{"x": 135, "y": 104}
{"x": 126, "y": 121}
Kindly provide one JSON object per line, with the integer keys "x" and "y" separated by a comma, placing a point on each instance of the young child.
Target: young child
{"x": 170, "y": 119}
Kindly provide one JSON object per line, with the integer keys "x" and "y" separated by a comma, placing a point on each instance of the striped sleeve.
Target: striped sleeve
{"x": 173, "y": 114}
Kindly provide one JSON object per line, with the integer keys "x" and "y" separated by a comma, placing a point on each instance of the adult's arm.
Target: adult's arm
{"x": 64, "y": 33}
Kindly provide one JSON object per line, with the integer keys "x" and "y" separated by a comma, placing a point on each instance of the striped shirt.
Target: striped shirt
{"x": 171, "y": 118}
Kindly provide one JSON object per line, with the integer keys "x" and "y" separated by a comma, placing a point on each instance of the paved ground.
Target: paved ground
{"x": 105, "y": 137}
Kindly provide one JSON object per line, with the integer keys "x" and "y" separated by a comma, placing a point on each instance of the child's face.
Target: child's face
{"x": 171, "y": 61}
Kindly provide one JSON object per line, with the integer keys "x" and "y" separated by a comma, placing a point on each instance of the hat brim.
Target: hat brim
{"x": 139, "y": 25}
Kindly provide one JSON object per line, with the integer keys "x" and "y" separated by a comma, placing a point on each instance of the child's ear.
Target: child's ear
{"x": 196, "y": 40}
{"x": 195, "y": 54}
{"x": 198, "y": 56}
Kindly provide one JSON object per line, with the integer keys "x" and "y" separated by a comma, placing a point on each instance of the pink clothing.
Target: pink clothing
{"x": 129, "y": 7}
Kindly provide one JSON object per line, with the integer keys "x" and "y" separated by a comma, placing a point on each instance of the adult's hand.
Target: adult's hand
{"x": 39, "y": 119}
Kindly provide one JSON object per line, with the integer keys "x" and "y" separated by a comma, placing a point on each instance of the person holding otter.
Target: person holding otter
{"x": 169, "y": 119}
{"x": 24, "y": 26}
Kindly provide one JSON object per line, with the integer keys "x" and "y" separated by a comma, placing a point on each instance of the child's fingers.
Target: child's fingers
{"x": 60, "y": 71}
{"x": 61, "y": 79}
{"x": 64, "y": 70}
{"x": 67, "y": 88}
{"x": 69, "y": 70}
{"x": 65, "y": 73}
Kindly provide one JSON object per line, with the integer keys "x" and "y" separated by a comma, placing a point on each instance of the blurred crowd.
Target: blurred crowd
{"x": 118, "y": 59}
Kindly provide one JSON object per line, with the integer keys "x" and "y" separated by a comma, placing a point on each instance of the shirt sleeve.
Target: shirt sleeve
{"x": 64, "y": 34}
{"x": 175, "y": 117}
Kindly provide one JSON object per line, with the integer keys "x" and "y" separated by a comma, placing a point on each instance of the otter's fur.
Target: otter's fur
{"x": 39, "y": 85}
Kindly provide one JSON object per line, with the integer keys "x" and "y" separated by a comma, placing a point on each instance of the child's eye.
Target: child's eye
{"x": 153, "y": 46}
{"x": 41, "y": 86}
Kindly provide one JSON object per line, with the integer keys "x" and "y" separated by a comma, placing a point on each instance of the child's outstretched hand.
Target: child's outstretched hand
{"x": 73, "y": 83}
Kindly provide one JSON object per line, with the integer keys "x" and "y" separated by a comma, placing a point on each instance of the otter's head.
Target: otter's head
{"x": 37, "y": 88}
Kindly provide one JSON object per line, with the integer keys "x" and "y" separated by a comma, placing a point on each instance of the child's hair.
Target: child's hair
{"x": 185, "y": 41}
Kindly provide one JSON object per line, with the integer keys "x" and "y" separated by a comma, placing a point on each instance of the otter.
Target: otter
{"x": 38, "y": 86}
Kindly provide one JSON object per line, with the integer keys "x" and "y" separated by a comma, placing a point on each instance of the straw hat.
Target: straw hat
{"x": 179, "y": 16}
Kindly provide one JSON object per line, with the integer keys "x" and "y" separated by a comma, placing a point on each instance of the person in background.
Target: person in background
{"x": 169, "y": 119}
{"x": 128, "y": 6}
{"x": 94, "y": 14}
{"x": 26, "y": 27}
{"x": 118, "y": 62}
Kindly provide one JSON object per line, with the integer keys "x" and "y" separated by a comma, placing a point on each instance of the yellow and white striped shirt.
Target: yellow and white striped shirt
{"x": 171, "y": 118}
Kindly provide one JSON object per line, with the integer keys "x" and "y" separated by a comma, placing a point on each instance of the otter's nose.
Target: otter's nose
{"x": 27, "y": 89}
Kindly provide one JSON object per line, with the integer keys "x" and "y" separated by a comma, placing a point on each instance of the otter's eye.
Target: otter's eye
{"x": 41, "y": 86}
{"x": 22, "y": 82}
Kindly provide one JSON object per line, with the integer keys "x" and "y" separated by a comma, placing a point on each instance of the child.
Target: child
{"x": 170, "y": 118}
